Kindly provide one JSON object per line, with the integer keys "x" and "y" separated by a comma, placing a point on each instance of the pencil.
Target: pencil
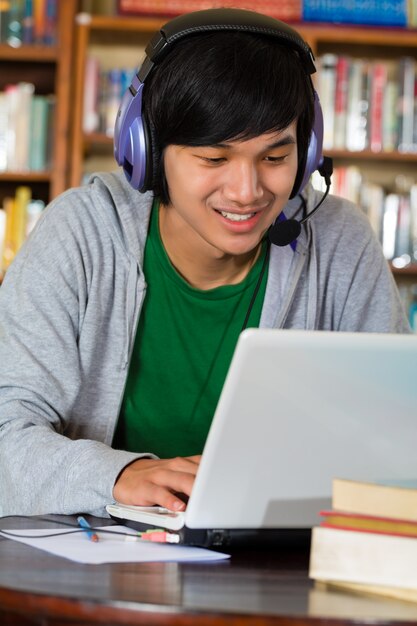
{"x": 82, "y": 523}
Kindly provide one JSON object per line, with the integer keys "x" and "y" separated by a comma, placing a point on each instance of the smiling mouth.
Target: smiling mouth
{"x": 236, "y": 217}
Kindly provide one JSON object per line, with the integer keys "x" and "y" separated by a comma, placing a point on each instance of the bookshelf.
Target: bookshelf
{"x": 106, "y": 34}
{"x": 48, "y": 68}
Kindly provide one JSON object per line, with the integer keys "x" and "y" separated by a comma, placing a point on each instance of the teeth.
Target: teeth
{"x": 236, "y": 217}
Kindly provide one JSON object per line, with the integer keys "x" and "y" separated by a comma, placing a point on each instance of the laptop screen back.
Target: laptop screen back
{"x": 299, "y": 408}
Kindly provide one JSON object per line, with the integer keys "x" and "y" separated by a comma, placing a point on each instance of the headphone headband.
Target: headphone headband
{"x": 217, "y": 20}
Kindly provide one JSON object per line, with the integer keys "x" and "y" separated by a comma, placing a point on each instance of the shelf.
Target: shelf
{"x": 25, "y": 177}
{"x": 376, "y": 35}
{"x": 369, "y": 155}
{"x": 28, "y": 53}
{"x": 409, "y": 270}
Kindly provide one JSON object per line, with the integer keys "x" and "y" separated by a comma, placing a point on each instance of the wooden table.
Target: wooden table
{"x": 255, "y": 588}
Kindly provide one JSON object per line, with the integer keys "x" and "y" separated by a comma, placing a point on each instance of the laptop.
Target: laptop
{"x": 297, "y": 409}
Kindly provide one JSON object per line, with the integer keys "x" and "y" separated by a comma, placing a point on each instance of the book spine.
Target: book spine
{"x": 355, "y": 128}
{"x": 38, "y": 133}
{"x": 4, "y": 121}
{"x": 12, "y": 98}
{"x": 4, "y": 20}
{"x": 25, "y": 95}
{"x": 390, "y": 222}
{"x": 327, "y": 93}
{"x": 340, "y": 113}
{"x": 402, "y": 254}
{"x": 27, "y": 24}
{"x": 50, "y": 22}
{"x": 2, "y": 238}
{"x": 388, "y": 13}
{"x": 14, "y": 29}
{"x": 285, "y": 9}
{"x": 389, "y": 117}
{"x": 39, "y": 19}
{"x": 378, "y": 84}
{"x": 406, "y": 104}
{"x": 113, "y": 99}
{"x": 8, "y": 244}
{"x": 91, "y": 95}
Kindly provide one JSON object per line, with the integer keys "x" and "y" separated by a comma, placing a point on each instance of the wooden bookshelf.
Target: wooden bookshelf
{"x": 49, "y": 69}
{"x": 371, "y": 42}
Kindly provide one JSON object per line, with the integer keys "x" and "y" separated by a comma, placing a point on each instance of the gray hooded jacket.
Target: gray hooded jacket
{"x": 69, "y": 308}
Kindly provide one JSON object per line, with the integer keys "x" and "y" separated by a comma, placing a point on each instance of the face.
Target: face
{"x": 225, "y": 197}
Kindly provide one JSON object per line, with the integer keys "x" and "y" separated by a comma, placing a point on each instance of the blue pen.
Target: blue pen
{"x": 82, "y": 523}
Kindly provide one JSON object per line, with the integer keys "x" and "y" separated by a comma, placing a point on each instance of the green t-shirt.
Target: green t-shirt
{"x": 182, "y": 351}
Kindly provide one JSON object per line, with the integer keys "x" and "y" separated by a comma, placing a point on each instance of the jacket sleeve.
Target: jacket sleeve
{"x": 42, "y": 470}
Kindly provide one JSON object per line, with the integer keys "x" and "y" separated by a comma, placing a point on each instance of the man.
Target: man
{"x": 119, "y": 317}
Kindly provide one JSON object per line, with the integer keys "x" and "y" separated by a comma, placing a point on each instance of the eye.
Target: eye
{"x": 212, "y": 160}
{"x": 276, "y": 159}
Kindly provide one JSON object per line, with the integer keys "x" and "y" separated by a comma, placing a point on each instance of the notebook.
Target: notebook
{"x": 297, "y": 409}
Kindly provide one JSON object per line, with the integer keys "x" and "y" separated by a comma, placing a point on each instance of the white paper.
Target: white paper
{"x": 78, "y": 547}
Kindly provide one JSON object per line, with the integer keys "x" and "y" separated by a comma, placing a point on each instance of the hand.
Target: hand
{"x": 148, "y": 482}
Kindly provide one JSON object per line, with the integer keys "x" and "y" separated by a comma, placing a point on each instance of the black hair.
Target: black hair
{"x": 224, "y": 86}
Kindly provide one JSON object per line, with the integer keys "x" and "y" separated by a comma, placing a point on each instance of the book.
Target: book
{"x": 2, "y": 238}
{"x": 27, "y": 23}
{"x": 4, "y": 20}
{"x": 389, "y": 117}
{"x": 367, "y": 523}
{"x": 396, "y": 500}
{"x": 15, "y": 20}
{"x": 378, "y": 84}
{"x": 390, "y": 224}
{"x": 16, "y": 223}
{"x": 4, "y": 130}
{"x": 39, "y": 21}
{"x": 327, "y": 90}
{"x": 337, "y": 600}
{"x": 355, "y": 125}
{"x": 341, "y": 102}
{"x": 375, "y": 12}
{"x": 402, "y": 255}
{"x": 397, "y": 593}
{"x": 33, "y": 213}
{"x": 287, "y": 10}
{"x": 363, "y": 558}
{"x": 407, "y": 77}
{"x": 38, "y": 133}
{"x": 91, "y": 95}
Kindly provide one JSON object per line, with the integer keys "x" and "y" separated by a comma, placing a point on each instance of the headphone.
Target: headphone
{"x": 134, "y": 149}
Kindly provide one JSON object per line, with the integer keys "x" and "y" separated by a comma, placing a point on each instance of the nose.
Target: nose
{"x": 243, "y": 184}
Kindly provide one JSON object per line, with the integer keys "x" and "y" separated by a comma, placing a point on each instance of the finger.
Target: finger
{"x": 151, "y": 495}
{"x": 182, "y": 464}
{"x": 196, "y": 458}
{"x": 175, "y": 481}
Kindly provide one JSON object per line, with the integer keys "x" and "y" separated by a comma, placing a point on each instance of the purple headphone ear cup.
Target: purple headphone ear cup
{"x": 131, "y": 140}
{"x": 314, "y": 156}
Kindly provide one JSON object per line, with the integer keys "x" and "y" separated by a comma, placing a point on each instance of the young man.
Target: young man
{"x": 119, "y": 317}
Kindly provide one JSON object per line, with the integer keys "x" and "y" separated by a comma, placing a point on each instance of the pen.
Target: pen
{"x": 82, "y": 523}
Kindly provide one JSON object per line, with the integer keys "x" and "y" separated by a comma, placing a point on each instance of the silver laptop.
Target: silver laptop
{"x": 297, "y": 409}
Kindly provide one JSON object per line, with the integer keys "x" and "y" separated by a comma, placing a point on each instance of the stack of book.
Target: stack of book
{"x": 18, "y": 216}
{"x": 368, "y": 104}
{"x": 28, "y": 22}
{"x": 367, "y": 543}
{"x": 26, "y": 128}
